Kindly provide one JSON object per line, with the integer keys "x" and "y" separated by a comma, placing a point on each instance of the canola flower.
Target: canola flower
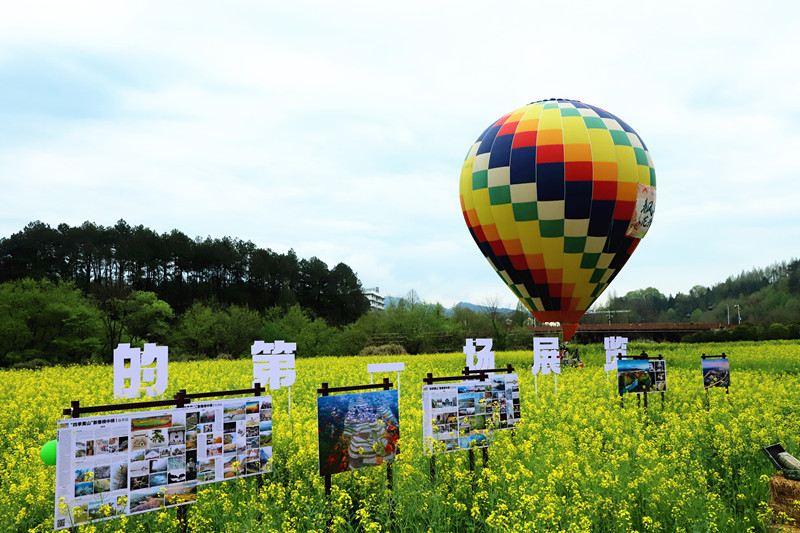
{"x": 577, "y": 461}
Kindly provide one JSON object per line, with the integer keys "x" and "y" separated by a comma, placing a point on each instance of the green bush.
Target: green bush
{"x": 384, "y": 349}
{"x": 777, "y": 331}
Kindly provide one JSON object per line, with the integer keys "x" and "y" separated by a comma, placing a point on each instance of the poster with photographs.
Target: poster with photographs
{"x": 716, "y": 372}
{"x": 233, "y": 438}
{"x": 108, "y": 466}
{"x": 641, "y": 376}
{"x": 463, "y": 415}
{"x": 357, "y": 430}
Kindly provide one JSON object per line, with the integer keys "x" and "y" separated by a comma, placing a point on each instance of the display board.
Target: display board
{"x": 641, "y": 376}
{"x": 137, "y": 462}
{"x": 357, "y": 430}
{"x": 716, "y": 372}
{"x": 463, "y": 415}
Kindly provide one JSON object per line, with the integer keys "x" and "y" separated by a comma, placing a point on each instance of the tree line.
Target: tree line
{"x": 110, "y": 262}
{"x": 760, "y": 297}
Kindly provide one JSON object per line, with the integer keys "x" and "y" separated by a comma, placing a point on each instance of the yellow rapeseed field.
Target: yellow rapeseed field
{"x": 579, "y": 462}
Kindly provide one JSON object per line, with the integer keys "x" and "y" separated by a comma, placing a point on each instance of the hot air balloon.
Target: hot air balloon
{"x": 557, "y": 196}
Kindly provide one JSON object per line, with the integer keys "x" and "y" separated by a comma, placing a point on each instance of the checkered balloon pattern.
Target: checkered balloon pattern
{"x": 557, "y": 196}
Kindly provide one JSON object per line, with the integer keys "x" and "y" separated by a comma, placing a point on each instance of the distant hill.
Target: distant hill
{"x": 477, "y": 308}
{"x": 448, "y": 311}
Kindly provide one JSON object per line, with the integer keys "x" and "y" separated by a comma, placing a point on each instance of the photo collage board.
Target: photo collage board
{"x": 716, "y": 372}
{"x": 131, "y": 463}
{"x": 459, "y": 416}
{"x": 641, "y": 376}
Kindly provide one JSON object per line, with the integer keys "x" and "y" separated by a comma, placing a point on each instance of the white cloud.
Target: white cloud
{"x": 339, "y": 129}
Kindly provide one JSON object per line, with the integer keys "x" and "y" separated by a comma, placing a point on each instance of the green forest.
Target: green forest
{"x": 70, "y": 294}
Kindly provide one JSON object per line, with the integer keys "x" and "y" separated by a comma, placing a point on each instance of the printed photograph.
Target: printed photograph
{"x": 251, "y": 407}
{"x": 158, "y": 465}
{"x": 101, "y": 446}
{"x": 151, "y": 422}
{"x": 176, "y": 476}
{"x": 80, "y": 514}
{"x": 80, "y": 449}
{"x": 102, "y": 472}
{"x": 716, "y": 372}
{"x": 357, "y": 430}
{"x": 157, "y": 480}
{"x": 119, "y": 476}
{"x": 253, "y": 467}
{"x": 139, "y": 468}
{"x": 265, "y": 457}
{"x": 191, "y": 421}
{"x": 191, "y": 465}
{"x": 265, "y": 415}
{"x": 207, "y": 417}
{"x": 158, "y": 438}
{"x": 191, "y": 440}
{"x": 633, "y": 376}
{"x": 145, "y": 500}
{"x": 234, "y": 412}
{"x": 176, "y": 436}
{"x": 139, "y": 441}
{"x": 84, "y": 489}
{"x": 176, "y": 463}
{"x": 102, "y": 485}
{"x": 658, "y": 375}
{"x": 180, "y": 493}
{"x": 266, "y": 403}
{"x": 83, "y": 474}
{"x": 140, "y": 482}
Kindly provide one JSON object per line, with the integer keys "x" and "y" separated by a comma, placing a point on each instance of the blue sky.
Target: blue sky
{"x": 339, "y": 129}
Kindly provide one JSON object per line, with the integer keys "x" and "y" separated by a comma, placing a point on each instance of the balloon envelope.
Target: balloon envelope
{"x": 557, "y": 196}
{"x": 48, "y": 453}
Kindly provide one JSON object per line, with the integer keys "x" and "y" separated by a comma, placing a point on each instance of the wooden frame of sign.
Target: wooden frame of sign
{"x": 466, "y": 373}
{"x": 644, "y": 356}
{"x": 180, "y": 400}
{"x": 325, "y": 390}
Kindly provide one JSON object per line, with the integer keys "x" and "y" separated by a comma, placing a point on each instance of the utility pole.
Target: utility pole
{"x": 738, "y": 313}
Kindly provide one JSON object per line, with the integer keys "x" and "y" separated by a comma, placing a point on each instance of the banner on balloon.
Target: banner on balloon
{"x": 463, "y": 415}
{"x": 643, "y": 215}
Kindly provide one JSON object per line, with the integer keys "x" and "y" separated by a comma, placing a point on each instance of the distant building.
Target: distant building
{"x": 376, "y": 301}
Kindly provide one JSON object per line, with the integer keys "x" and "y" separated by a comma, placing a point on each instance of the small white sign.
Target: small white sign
{"x": 545, "y": 356}
{"x": 386, "y": 367}
{"x": 273, "y": 364}
{"x": 614, "y": 346}
{"x": 479, "y": 354}
{"x": 138, "y": 370}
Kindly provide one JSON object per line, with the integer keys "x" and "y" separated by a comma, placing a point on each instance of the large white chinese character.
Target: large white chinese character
{"x": 134, "y": 371}
{"x": 485, "y": 356}
{"x": 545, "y": 356}
{"x": 614, "y": 346}
{"x": 273, "y": 363}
